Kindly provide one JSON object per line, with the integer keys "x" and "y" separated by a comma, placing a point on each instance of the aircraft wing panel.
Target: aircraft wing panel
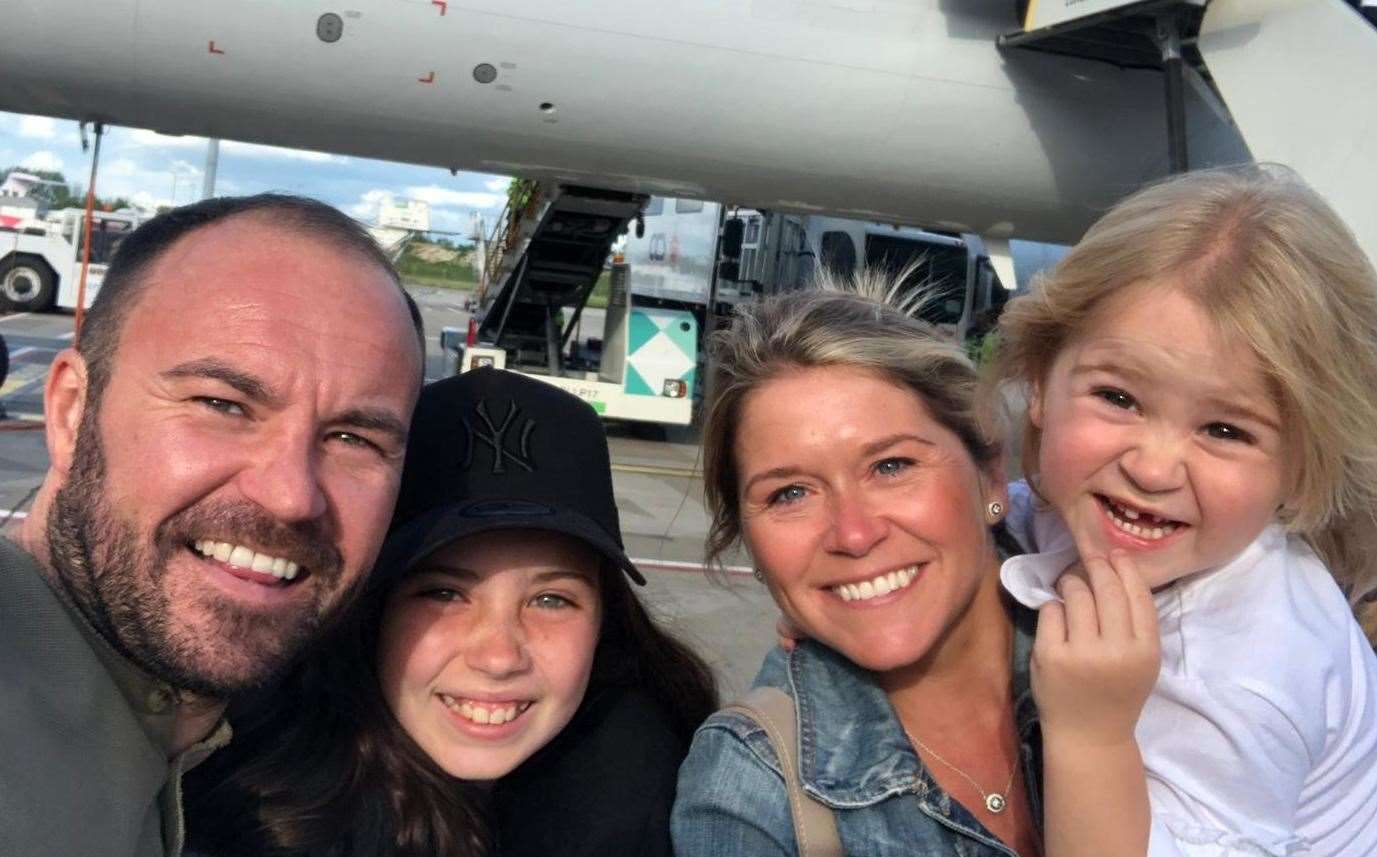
{"x": 901, "y": 110}
{"x": 1297, "y": 76}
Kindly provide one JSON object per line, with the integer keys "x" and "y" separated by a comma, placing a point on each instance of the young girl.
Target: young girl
{"x": 499, "y": 689}
{"x": 1201, "y": 373}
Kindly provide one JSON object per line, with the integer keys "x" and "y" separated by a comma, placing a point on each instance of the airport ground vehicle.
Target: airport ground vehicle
{"x": 548, "y": 255}
{"x": 753, "y": 253}
{"x": 683, "y": 265}
{"x": 966, "y": 280}
{"x": 40, "y": 260}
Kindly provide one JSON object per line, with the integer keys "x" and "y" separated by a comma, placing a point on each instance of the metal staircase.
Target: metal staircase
{"x": 546, "y": 254}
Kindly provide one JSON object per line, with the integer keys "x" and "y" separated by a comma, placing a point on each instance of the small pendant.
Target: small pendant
{"x": 995, "y": 803}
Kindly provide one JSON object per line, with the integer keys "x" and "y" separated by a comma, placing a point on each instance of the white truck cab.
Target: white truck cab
{"x": 40, "y": 260}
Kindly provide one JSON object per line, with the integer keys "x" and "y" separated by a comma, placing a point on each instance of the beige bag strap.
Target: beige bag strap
{"x": 815, "y": 828}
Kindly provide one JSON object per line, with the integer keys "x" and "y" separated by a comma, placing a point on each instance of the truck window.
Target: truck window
{"x": 688, "y": 206}
{"x": 655, "y": 207}
{"x": 938, "y": 269}
{"x": 838, "y": 253}
{"x": 106, "y": 237}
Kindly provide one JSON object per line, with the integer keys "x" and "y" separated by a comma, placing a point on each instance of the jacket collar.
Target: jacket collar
{"x": 852, "y": 750}
{"x": 152, "y": 702}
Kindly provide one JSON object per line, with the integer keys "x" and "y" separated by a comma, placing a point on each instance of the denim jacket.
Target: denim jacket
{"x": 854, "y": 757}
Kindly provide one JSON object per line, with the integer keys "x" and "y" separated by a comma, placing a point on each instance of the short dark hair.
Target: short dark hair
{"x": 125, "y": 280}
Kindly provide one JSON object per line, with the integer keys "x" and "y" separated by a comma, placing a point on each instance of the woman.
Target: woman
{"x": 842, "y": 447}
{"x": 499, "y": 689}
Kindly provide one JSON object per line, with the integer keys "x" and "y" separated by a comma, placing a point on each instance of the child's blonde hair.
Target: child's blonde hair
{"x": 1276, "y": 269}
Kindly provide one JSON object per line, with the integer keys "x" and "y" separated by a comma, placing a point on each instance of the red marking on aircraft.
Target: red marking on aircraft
{"x": 430, "y": 78}
{"x": 214, "y": 49}
{"x": 443, "y": 4}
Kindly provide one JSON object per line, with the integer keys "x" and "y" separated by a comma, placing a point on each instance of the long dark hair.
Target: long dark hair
{"x": 634, "y": 651}
{"x": 319, "y": 766}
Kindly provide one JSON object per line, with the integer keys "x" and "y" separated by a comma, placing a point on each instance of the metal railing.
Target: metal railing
{"x": 522, "y": 201}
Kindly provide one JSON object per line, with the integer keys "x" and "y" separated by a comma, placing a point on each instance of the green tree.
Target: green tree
{"x": 60, "y": 193}
{"x": 57, "y": 195}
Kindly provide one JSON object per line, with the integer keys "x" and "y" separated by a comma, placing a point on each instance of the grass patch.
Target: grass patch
{"x": 596, "y": 300}
{"x": 442, "y": 265}
{"x": 439, "y": 283}
{"x": 601, "y": 291}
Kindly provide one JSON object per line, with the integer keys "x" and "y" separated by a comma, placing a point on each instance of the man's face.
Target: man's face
{"x": 234, "y": 480}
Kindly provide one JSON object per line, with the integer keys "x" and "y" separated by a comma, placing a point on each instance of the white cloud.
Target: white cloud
{"x": 367, "y": 206}
{"x": 42, "y": 160}
{"x": 436, "y": 195}
{"x": 37, "y": 127}
{"x": 497, "y": 185}
{"x": 145, "y": 200}
{"x": 120, "y": 167}
{"x": 147, "y": 185}
{"x": 456, "y": 222}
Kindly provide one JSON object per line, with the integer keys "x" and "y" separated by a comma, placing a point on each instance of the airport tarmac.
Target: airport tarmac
{"x": 659, "y": 494}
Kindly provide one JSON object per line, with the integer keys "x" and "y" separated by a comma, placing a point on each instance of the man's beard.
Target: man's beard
{"x": 200, "y": 641}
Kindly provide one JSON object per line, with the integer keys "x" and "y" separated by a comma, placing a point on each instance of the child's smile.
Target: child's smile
{"x": 1159, "y": 437}
{"x": 1144, "y": 527}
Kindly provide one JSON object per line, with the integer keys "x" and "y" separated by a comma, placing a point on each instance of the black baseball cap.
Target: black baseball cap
{"x": 494, "y": 450}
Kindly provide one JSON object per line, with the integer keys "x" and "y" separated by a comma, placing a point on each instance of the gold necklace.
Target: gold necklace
{"x": 994, "y": 801}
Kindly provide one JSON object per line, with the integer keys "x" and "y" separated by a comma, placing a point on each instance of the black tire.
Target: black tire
{"x": 26, "y": 284}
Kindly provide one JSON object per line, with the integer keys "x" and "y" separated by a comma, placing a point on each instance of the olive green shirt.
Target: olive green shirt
{"x": 85, "y": 767}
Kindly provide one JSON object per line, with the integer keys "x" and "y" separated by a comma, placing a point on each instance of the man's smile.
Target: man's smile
{"x": 240, "y": 556}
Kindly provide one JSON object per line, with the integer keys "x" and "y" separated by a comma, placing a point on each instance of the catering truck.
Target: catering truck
{"x": 723, "y": 255}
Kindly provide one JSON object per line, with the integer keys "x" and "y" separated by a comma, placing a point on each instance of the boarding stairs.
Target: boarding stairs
{"x": 545, "y": 256}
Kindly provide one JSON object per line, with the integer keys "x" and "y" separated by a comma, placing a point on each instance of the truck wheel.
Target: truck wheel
{"x": 26, "y": 285}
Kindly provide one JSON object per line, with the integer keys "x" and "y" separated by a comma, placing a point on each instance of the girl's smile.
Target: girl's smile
{"x": 487, "y": 646}
{"x": 1160, "y": 437}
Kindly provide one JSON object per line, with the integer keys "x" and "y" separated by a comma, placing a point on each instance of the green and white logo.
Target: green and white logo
{"x": 662, "y": 344}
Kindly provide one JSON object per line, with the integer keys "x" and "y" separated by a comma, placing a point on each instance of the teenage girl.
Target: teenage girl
{"x": 499, "y": 689}
{"x": 1201, "y": 373}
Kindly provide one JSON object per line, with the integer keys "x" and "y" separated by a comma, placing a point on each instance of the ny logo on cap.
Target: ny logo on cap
{"x": 496, "y": 436}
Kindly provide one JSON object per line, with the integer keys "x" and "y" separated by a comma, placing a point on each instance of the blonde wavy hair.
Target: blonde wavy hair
{"x": 859, "y": 321}
{"x": 1276, "y": 269}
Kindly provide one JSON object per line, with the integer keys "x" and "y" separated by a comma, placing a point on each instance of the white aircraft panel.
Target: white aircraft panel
{"x": 901, "y": 110}
{"x": 1297, "y": 76}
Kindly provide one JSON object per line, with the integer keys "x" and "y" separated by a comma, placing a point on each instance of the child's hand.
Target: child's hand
{"x": 1096, "y": 655}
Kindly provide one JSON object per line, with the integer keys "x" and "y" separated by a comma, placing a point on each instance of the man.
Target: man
{"x": 226, "y": 445}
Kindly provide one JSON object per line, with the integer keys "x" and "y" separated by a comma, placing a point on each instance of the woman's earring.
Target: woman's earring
{"x": 996, "y": 509}
{"x": 758, "y": 575}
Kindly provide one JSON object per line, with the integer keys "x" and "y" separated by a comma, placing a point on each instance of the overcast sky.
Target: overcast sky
{"x": 153, "y": 170}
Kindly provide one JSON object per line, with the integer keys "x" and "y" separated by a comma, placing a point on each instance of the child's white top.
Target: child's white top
{"x": 1260, "y": 736}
